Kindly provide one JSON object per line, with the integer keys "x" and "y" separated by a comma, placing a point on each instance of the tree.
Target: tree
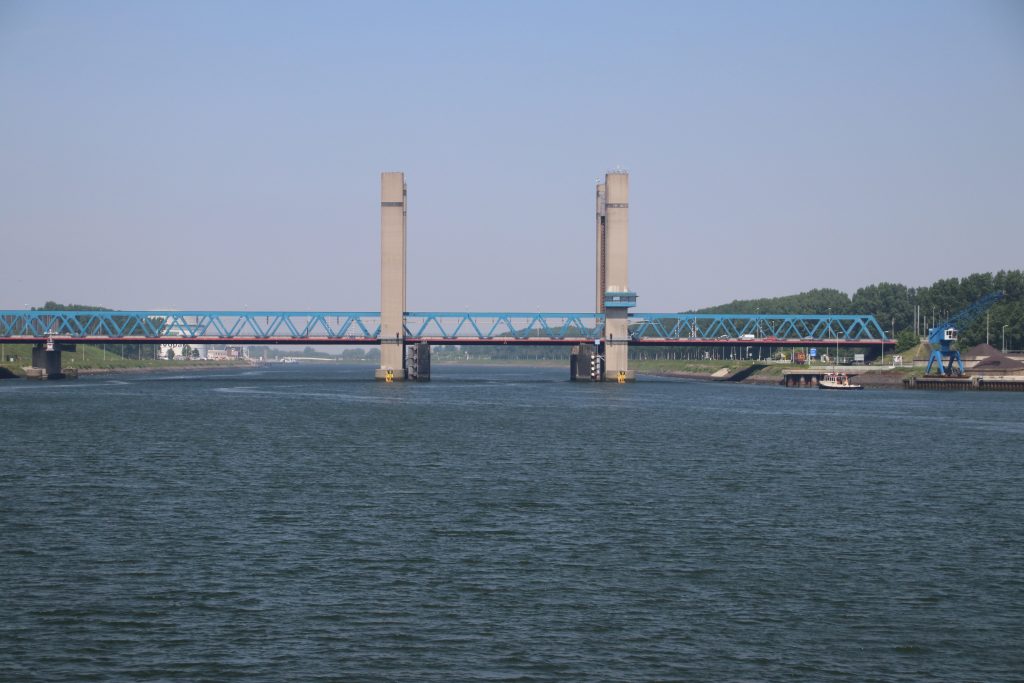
{"x": 170, "y": 354}
{"x": 805, "y": 303}
{"x": 889, "y": 303}
{"x": 906, "y": 339}
{"x": 54, "y": 306}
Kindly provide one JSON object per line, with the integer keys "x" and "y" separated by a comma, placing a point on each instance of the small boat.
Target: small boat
{"x": 837, "y": 380}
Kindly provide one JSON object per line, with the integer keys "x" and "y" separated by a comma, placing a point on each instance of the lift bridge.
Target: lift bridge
{"x": 602, "y": 338}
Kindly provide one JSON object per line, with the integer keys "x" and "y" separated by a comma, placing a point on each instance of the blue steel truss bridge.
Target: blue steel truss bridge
{"x": 434, "y": 328}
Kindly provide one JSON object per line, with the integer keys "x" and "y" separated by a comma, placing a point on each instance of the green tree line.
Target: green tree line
{"x": 909, "y": 311}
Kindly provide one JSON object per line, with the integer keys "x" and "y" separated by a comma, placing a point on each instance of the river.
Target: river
{"x": 503, "y": 524}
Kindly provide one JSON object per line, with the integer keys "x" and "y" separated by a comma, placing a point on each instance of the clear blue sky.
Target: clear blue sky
{"x": 227, "y": 154}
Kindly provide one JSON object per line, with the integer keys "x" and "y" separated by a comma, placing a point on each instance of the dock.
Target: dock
{"x": 965, "y": 383}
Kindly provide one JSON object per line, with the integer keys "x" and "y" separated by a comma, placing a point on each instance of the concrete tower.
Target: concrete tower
{"x": 614, "y": 296}
{"x": 600, "y": 270}
{"x": 392, "y": 275}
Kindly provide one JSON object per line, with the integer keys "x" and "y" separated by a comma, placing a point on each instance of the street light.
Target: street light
{"x": 1004, "y": 338}
{"x": 836, "y": 360}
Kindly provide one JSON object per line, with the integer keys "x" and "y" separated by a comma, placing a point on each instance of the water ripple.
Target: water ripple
{"x": 307, "y": 524}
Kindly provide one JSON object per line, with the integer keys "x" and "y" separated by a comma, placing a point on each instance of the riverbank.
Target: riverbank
{"x": 767, "y": 372}
{"x": 134, "y": 367}
{"x": 167, "y": 366}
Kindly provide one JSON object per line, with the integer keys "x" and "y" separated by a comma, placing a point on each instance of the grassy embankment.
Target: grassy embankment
{"x": 770, "y": 372}
{"x": 693, "y": 367}
{"x": 89, "y": 358}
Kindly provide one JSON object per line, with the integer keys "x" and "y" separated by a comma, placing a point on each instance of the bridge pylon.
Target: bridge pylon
{"x": 393, "y": 209}
{"x": 614, "y": 297}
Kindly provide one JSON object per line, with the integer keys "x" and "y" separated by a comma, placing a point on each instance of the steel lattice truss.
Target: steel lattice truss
{"x": 761, "y": 328}
{"x": 290, "y": 327}
{"x": 503, "y": 328}
{"x": 198, "y": 326}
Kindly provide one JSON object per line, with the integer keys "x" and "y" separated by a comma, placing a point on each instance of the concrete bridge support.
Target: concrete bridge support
{"x": 46, "y": 362}
{"x": 392, "y": 276}
{"x": 614, "y": 296}
{"x": 417, "y": 362}
{"x": 586, "y": 363}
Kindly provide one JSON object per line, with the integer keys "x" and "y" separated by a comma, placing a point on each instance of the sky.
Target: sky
{"x": 227, "y": 155}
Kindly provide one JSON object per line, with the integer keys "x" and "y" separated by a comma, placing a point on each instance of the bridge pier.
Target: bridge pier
{"x": 392, "y": 361}
{"x": 586, "y": 363}
{"x": 46, "y": 362}
{"x": 417, "y": 362}
{"x": 617, "y": 360}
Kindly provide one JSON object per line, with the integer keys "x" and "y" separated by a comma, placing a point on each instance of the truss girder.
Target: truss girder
{"x": 434, "y": 327}
{"x": 756, "y": 327}
{"x": 442, "y": 326}
{"x": 204, "y": 326}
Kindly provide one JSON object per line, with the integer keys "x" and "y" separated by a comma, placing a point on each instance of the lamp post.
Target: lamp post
{"x": 892, "y": 335}
{"x": 835, "y": 361}
{"x": 758, "y": 314}
{"x": 1004, "y": 338}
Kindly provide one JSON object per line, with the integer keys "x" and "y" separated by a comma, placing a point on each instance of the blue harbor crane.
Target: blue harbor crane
{"x": 945, "y": 333}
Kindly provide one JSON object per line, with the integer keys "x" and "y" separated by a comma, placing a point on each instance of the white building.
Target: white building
{"x": 195, "y": 351}
{"x": 227, "y": 353}
{"x": 183, "y": 350}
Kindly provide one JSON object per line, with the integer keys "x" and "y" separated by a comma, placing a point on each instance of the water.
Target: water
{"x": 303, "y": 523}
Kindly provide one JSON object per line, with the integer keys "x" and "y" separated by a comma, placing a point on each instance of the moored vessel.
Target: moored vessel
{"x": 837, "y": 380}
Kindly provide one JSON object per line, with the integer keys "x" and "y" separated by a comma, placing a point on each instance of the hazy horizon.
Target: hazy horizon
{"x": 227, "y": 155}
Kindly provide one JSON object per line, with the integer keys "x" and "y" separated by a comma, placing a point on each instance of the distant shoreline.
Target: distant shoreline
{"x": 8, "y": 373}
{"x": 882, "y": 379}
{"x": 174, "y": 367}
{"x": 767, "y": 375}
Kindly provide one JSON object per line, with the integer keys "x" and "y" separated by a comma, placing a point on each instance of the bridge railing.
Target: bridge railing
{"x": 250, "y": 327}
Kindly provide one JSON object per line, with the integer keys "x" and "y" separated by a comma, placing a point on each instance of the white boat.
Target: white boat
{"x": 837, "y": 380}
